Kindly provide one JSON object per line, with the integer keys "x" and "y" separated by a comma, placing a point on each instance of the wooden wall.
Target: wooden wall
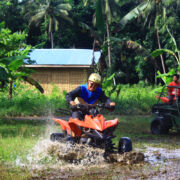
{"x": 64, "y": 78}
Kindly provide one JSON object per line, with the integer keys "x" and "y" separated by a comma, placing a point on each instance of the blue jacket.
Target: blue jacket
{"x": 88, "y": 96}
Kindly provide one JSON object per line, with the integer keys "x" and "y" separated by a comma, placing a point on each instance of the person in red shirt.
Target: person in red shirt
{"x": 172, "y": 92}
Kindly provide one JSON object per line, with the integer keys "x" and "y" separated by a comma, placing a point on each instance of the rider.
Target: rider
{"x": 88, "y": 94}
{"x": 172, "y": 92}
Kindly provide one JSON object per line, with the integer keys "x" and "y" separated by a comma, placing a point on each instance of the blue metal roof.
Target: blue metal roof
{"x": 64, "y": 56}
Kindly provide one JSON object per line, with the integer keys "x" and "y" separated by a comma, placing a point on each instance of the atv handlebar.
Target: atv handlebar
{"x": 83, "y": 107}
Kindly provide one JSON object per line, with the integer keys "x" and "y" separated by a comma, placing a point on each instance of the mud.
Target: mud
{"x": 54, "y": 160}
{"x": 66, "y": 161}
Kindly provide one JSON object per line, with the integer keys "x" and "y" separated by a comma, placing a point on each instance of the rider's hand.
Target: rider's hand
{"x": 112, "y": 106}
{"x": 72, "y": 103}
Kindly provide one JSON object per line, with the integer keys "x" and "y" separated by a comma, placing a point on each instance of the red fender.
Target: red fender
{"x": 64, "y": 125}
{"x": 99, "y": 123}
{"x": 165, "y": 99}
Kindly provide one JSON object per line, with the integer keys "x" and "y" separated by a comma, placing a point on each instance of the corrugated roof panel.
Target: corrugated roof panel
{"x": 64, "y": 56}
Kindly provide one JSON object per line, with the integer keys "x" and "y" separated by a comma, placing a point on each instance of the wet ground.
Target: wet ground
{"x": 53, "y": 160}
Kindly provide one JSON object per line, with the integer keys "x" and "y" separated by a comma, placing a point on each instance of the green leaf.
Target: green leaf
{"x": 100, "y": 22}
{"x": 3, "y": 74}
{"x": 111, "y": 77}
{"x": 134, "y": 13}
{"x": 34, "y": 83}
{"x": 114, "y": 95}
{"x": 158, "y": 52}
{"x": 16, "y": 64}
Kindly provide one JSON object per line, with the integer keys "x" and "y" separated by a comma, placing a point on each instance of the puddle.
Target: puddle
{"x": 160, "y": 155}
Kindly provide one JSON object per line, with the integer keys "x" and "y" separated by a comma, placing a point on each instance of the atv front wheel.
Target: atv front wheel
{"x": 125, "y": 145}
{"x": 57, "y": 136}
{"x": 159, "y": 126}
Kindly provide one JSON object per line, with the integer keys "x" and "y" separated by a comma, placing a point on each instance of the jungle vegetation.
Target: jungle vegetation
{"x": 126, "y": 31}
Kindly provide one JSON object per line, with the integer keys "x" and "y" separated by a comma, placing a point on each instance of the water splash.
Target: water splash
{"x": 47, "y": 154}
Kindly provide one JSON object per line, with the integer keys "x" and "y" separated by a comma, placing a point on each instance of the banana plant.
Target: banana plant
{"x": 14, "y": 70}
{"x": 12, "y": 57}
{"x": 167, "y": 77}
{"x": 175, "y": 52}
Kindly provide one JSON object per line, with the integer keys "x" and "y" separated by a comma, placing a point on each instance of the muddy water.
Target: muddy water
{"x": 160, "y": 155}
{"x": 167, "y": 161}
{"x": 54, "y": 160}
{"x": 65, "y": 161}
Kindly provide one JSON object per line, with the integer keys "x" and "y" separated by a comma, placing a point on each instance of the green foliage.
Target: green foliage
{"x": 30, "y": 102}
{"x": 12, "y": 55}
{"x": 136, "y": 12}
{"x": 109, "y": 88}
{"x": 130, "y": 21}
{"x": 130, "y": 99}
{"x": 168, "y": 77}
{"x": 158, "y": 52}
{"x": 51, "y": 12}
{"x": 135, "y": 99}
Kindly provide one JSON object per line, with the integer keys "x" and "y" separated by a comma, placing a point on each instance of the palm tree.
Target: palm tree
{"x": 103, "y": 18}
{"x": 51, "y": 12}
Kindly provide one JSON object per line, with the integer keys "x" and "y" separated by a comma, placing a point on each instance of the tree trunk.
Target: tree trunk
{"x": 159, "y": 46}
{"x": 155, "y": 71}
{"x": 93, "y": 57}
{"x": 10, "y": 89}
{"x": 109, "y": 48}
{"x": 157, "y": 35}
{"x": 52, "y": 42}
{"x": 108, "y": 43}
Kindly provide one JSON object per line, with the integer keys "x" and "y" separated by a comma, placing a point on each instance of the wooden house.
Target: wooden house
{"x": 63, "y": 68}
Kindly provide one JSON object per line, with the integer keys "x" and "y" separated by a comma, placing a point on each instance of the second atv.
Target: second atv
{"x": 95, "y": 130}
{"x": 167, "y": 116}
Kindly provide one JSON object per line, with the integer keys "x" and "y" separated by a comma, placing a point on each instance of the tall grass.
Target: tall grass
{"x": 30, "y": 102}
{"x": 135, "y": 99}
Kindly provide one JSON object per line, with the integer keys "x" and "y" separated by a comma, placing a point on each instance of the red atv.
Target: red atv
{"x": 95, "y": 130}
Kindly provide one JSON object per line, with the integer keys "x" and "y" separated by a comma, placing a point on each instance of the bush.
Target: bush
{"x": 26, "y": 101}
{"x": 135, "y": 99}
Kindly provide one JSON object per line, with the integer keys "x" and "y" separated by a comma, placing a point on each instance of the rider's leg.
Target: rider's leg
{"x": 171, "y": 97}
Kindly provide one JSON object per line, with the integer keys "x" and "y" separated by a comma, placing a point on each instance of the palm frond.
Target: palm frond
{"x": 34, "y": 83}
{"x": 64, "y": 7}
{"x": 134, "y": 13}
{"x": 100, "y": 22}
{"x": 158, "y": 52}
{"x": 65, "y": 18}
{"x": 36, "y": 19}
{"x": 63, "y": 12}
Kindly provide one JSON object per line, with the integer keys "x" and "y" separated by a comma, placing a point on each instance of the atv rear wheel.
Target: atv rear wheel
{"x": 57, "y": 137}
{"x": 159, "y": 126}
{"x": 125, "y": 145}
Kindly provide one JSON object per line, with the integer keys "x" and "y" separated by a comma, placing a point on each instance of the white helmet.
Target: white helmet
{"x": 95, "y": 77}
